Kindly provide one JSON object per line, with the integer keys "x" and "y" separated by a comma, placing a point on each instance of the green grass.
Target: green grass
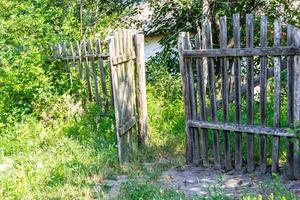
{"x": 65, "y": 153}
{"x": 57, "y": 157}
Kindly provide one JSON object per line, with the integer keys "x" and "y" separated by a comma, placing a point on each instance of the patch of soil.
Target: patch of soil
{"x": 199, "y": 181}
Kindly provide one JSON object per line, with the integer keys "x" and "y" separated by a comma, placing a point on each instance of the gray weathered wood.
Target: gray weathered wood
{"x": 127, "y": 126}
{"x": 194, "y": 132}
{"x": 237, "y": 85}
{"x": 88, "y": 57}
{"x": 263, "y": 94}
{"x": 111, "y": 49}
{"x": 186, "y": 93}
{"x": 250, "y": 92}
{"x": 123, "y": 91}
{"x": 67, "y": 66}
{"x": 95, "y": 77}
{"x": 78, "y": 55}
{"x": 277, "y": 67}
{"x": 124, "y": 57}
{"x": 201, "y": 91}
{"x": 212, "y": 94}
{"x": 72, "y": 55}
{"x": 290, "y": 104}
{"x": 141, "y": 99}
{"x": 241, "y": 128}
{"x": 243, "y": 52}
{"x": 87, "y": 70}
{"x": 102, "y": 75}
{"x": 297, "y": 103}
{"x": 224, "y": 69}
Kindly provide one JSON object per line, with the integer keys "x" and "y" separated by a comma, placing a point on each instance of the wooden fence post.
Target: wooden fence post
{"x": 140, "y": 79}
{"x": 297, "y": 102}
{"x": 181, "y": 47}
{"x": 290, "y": 104}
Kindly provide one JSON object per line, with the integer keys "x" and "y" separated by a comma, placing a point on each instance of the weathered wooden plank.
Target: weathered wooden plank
{"x": 89, "y": 57}
{"x": 277, "y": 67}
{"x": 124, "y": 91}
{"x": 263, "y": 94}
{"x": 201, "y": 91}
{"x": 132, "y": 74}
{"x": 253, "y": 129}
{"x": 224, "y": 71}
{"x": 212, "y": 94}
{"x": 237, "y": 99}
{"x": 195, "y": 132}
{"x": 102, "y": 76}
{"x": 186, "y": 93}
{"x": 111, "y": 49}
{"x": 72, "y": 55}
{"x": 87, "y": 71}
{"x": 297, "y": 103}
{"x": 243, "y": 52}
{"x": 124, "y": 57}
{"x": 95, "y": 77}
{"x": 250, "y": 91}
{"x": 67, "y": 66}
{"x": 290, "y": 105}
{"x": 141, "y": 98}
{"x": 78, "y": 55}
{"x": 127, "y": 126}
{"x": 59, "y": 51}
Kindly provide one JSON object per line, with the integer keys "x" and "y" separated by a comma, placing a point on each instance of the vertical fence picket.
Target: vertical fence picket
{"x": 290, "y": 104}
{"x": 263, "y": 95}
{"x": 202, "y": 97}
{"x": 297, "y": 103}
{"x": 78, "y": 55}
{"x": 139, "y": 42}
{"x": 66, "y": 57}
{"x": 237, "y": 85}
{"x": 102, "y": 75}
{"x": 224, "y": 71}
{"x": 87, "y": 70}
{"x": 185, "y": 84}
{"x": 73, "y": 59}
{"x": 194, "y": 131}
{"x": 277, "y": 67}
{"x": 94, "y": 73}
{"x": 212, "y": 94}
{"x": 250, "y": 93}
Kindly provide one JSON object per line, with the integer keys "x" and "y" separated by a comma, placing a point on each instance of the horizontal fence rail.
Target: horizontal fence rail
{"x": 233, "y": 96}
{"x": 243, "y": 52}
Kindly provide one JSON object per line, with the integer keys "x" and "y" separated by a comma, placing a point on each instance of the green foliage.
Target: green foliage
{"x": 172, "y": 17}
{"x": 57, "y": 156}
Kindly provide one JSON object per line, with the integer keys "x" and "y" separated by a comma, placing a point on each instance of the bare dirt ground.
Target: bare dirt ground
{"x": 199, "y": 181}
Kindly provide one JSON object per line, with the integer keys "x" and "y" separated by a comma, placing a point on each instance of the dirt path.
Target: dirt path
{"x": 198, "y": 181}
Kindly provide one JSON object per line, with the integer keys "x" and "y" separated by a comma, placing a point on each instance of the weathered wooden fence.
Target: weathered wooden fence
{"x": 87, "y": 63}
{"x": 198, "y": 66}
{"x": 121, "y": 73}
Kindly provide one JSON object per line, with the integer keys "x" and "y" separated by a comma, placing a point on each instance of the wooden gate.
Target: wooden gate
{"x": 129, "y": 92}
{"x": 124, "y": 78}
{"x": 248, "y": 69}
